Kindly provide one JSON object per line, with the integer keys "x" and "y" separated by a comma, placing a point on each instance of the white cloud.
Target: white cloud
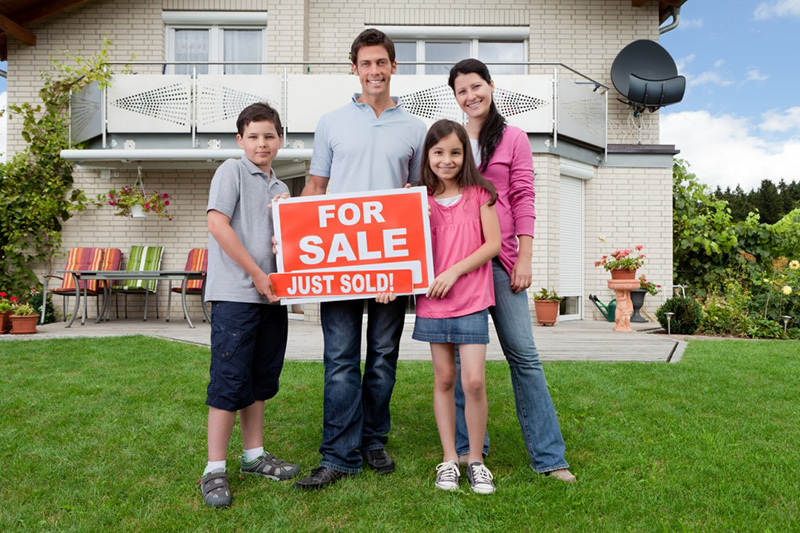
{"x": 682, "y": 62}
{"x": 3, "y": 125}
{"x": 718, "y": 63}
{"x": 755, "y": 75}
{"x": 773, "y": 121}
{"x": 688, "y": 24}
{"x": 723, "y": 150}
{"x": 708, "y": 77}
{"x": 781, "y": 8}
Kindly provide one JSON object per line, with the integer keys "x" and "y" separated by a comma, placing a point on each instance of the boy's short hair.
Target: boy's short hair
{"x": 258, "y": 112}
{"x": 371, "y": 37}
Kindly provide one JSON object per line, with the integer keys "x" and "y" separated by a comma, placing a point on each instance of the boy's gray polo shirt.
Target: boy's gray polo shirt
{"x": 242, "y": 192}
{"x": 361, "y": 152}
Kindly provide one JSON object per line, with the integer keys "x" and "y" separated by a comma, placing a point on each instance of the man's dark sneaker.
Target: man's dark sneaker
{"x": 320, "y": 478}
{"x": 379, "y": 461}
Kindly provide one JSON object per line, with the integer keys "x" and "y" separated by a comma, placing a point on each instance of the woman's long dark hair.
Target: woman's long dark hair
{"x": 494, "y": 126}
{"x": 469, "y": 175}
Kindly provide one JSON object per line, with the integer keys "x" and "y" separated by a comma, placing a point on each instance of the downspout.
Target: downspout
{"x": 675, "y": 13}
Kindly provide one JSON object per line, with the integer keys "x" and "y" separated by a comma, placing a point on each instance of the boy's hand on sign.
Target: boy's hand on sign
{"x": 277, "y": 197}
{"x": 264, "y": 287}
{"x": 443, "y": 283}
{"x": 385, "y": 297}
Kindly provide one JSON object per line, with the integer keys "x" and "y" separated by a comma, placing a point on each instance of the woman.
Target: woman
{"x": 503, "y": 156}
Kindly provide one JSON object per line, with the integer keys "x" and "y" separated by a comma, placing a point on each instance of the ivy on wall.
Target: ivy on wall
{"x": 36, "y": 194}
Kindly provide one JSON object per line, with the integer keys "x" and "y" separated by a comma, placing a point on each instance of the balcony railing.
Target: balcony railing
{"x": 559, "y": 101}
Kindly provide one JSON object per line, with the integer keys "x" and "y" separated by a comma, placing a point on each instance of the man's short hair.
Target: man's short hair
{"x": 371, "y": 37}
{"x": 258, "y": 112}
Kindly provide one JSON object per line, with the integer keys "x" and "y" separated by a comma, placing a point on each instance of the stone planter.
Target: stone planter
{"x": 23, "y": 324}
{"x": 546, "y": 312}
{"x": 621, "y": 273}
{"x": 5, "y": 322}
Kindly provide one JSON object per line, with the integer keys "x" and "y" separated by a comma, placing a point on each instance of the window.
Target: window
{"x": 452, "y": 44}
{"x": 215, "y": 37}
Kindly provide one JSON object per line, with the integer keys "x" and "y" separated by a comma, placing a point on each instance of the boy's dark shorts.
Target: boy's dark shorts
{"x": 248, "y": 343}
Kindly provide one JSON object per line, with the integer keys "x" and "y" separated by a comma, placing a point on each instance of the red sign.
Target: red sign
{"x": 377, "y": 232}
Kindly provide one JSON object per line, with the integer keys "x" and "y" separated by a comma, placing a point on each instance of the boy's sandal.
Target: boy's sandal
{"x": 215, "y": 489}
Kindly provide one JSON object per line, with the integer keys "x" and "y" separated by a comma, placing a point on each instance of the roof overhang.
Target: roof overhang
{"x": 16, "y": 14}
{"x": 188, "y": 158}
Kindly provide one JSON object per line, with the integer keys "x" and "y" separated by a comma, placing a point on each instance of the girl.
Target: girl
{"x": 465, "y": 236}
{"x": 503, "y": 154}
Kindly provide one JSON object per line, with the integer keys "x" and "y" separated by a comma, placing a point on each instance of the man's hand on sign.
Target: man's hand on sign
{"x": 385, "y": 297}
{"x": 264, "y": 287}
{"x": 443, "y": 283}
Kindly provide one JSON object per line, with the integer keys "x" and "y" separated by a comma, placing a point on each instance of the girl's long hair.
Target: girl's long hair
{"x": 468, "y": 176}
{"x": 495, "y": 124}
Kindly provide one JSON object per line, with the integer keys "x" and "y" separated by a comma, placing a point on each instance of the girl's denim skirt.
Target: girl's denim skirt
{"x": 467, "y": 329}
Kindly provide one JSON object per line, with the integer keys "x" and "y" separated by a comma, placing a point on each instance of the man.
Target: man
{"x": 370, "y": 144}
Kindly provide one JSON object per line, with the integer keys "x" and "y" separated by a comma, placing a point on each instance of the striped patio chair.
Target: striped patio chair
{"x": 112, "y": 259}
{"x": 77, "y": 259}
{"x": 141, "y": 258}
{"x": 197, "y": 260}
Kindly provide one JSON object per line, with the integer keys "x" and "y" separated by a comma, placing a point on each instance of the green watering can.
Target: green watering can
{"x": 609, "y": 311}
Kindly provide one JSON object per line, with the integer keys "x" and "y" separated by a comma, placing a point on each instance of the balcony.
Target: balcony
{"x": 155, "y": 117}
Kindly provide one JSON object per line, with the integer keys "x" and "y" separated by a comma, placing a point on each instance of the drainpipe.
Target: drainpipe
{"x": 675, "y": 13}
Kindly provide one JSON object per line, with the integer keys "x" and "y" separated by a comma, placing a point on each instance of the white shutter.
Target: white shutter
{"x": 570, "y": 237}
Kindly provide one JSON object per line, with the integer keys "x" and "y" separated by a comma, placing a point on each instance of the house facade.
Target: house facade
{"x": 183, "y": 70}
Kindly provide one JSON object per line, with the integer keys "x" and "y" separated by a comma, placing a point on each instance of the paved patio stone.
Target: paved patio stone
{"x": 579, "y": 340}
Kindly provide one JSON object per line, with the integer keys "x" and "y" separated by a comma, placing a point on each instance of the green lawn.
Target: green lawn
{"x": 110, "y": 434}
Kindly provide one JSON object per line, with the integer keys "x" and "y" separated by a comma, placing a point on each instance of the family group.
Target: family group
{"x": 479, "y": 179}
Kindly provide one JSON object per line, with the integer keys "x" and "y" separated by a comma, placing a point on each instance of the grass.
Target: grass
{"x": 110, "y": 434}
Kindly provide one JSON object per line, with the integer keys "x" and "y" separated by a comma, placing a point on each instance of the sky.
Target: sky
{"x": 739, "y": 121}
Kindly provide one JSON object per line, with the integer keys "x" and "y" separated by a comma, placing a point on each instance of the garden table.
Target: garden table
{"x": 108, "y": 276}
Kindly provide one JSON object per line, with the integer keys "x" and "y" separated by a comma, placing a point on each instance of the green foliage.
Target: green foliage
{"x": 23, "y": 310}
{"x": 36, "y": 302}
{"x": 544, "y": 294}
{"x": 688, "y": 314}
{"x": 36, "y": 194}
{"x": 771, "y": 202}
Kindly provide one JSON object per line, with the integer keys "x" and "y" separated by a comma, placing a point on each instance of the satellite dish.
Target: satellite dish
{"x": 646, "y": 76}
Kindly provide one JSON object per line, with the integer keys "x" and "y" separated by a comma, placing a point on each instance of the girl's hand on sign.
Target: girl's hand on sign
{"x": 385, "y": 297}
{"x": 274, "y": 245}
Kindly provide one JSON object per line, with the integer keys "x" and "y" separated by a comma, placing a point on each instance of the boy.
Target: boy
{"x": 248, "y": 334}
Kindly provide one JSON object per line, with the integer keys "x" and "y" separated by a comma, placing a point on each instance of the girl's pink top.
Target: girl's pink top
{"x": 511, "y": 172}
{"x": 456, "y": 232}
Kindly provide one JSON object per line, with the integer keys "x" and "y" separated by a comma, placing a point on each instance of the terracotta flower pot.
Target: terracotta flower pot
{"x": 621, "y": 273}
{"x": 546, "y": 312}
{"x": 23, "y": 324}
{"x": 5, "y": 322}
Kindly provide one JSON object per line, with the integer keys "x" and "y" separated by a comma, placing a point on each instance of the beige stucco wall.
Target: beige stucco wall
{"x": 626, "y": 206}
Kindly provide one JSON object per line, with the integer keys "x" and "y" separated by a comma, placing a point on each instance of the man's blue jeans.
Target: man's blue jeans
{"x": 535, "y": 410}
{"x": 356, "y": 412}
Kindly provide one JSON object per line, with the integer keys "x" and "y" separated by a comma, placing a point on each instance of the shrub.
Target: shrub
{"x": 688, "y": 314}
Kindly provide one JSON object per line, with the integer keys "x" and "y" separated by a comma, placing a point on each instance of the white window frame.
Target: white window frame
{"x": 215, "y": 22}
{"x": 474, "y": 35}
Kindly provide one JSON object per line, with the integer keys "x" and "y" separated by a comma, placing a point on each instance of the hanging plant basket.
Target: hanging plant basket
{"x": 135, "y": 202}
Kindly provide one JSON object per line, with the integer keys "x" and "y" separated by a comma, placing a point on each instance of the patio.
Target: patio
{"x": 577, "y": 340}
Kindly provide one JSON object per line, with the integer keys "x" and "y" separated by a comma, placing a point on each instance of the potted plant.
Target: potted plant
{"x": 547, "y": 305}
{"x": 136, "y": 203}
{"x": 6, "y": 305}
{"x": 23, "y": 319}
{"x": 623, "y": 263}
{"x": 637, "y": 297}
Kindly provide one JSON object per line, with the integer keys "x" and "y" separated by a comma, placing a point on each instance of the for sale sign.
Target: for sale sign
{"x": 356, "y": 245}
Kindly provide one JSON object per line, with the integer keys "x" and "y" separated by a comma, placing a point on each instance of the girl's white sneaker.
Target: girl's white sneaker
{"x": 480, "y": 479}
{"x": 447, "y": 475}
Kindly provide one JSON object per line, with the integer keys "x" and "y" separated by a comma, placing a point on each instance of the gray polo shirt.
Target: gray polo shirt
{"x": 242, "y": 192}
{"x": 361, "y": 152}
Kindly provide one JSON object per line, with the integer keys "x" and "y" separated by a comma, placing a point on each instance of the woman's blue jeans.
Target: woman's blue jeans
{"x": 356, "y": 412}
{"x": 535, "y": 410}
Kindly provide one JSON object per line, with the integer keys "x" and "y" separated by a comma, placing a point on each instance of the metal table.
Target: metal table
{"x": 107, "y": 276}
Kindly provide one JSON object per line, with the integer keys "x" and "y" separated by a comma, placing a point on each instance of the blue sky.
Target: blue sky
{"x": 739, "y": 121}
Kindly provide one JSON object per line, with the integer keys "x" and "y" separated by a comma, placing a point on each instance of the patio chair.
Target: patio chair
{"x": 112, "y": 259}
{"x": 77, "y": 259}
{"x": 141, "y": 258}
{"x": 197, "y": 260}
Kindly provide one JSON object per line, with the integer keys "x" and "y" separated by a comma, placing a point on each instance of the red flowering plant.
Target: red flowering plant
{"x": 649, "y": 286}
{"x": 623, "y": 259}
{"x": 6, "y": 303}
{"x": 128, "y": 197}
